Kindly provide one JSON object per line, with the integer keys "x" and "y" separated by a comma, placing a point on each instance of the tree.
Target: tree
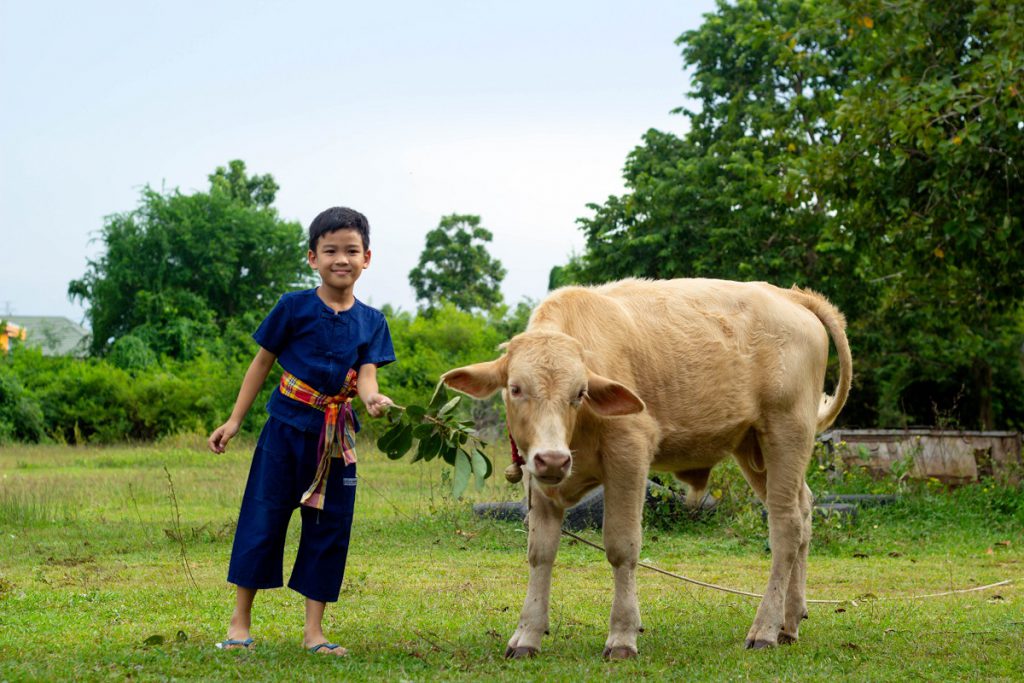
{"x": 731, "y": 199}
{"x": 927, "y": 182}
{"x": 180, "y": 271}
{"x": 456, "y": 267}
{"x": 870, "y": 150}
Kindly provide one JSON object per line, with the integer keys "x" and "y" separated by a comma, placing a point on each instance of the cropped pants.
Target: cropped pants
{"x": 283, "y": 467}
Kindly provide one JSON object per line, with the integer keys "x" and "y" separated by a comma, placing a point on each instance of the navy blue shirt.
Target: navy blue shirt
{"x": 319, "y": 347}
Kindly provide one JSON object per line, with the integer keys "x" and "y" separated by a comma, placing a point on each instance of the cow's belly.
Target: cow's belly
{"x": 688, "y": 451}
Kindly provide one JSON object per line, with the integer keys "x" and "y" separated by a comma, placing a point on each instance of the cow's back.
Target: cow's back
{"x": 706, "y": 356}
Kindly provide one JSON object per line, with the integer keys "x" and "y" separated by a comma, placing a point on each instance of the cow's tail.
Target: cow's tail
{"x": 835, "y": 323}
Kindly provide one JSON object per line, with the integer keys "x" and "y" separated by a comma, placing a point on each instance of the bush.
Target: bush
{"x": 95, "y": 401}
{"x": 21, "y": 418}
{"x": 134, "y": 395}
{"x": 132, "y": 354}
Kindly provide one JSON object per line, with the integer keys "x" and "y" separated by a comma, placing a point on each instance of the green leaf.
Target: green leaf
{"x": 463, "y": 470}
{"x": 396, "y": 442}
{"x": 415, "y": 413}
{"x": 490, "y": 467}
{"x": 386, "y": 439}
{"x": 439, "y": 397}
{"x": 423, "y": 430}
{"x": 403, "y": 442}
{"x": 481, "y": 468}
{"x": 448, "y": 453}
{"x": 155, "y": 639}
{"x": 428, "y": 448}
{"x": 449, "y": 406}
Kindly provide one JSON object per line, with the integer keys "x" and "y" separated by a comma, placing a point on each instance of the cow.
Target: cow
{"x": 609, "y": 382}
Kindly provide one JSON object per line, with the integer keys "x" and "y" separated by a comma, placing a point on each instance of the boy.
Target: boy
{"x": 330, "y": 345}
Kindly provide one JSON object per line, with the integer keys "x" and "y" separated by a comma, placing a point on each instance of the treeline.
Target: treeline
{"x": 132, "y": 395}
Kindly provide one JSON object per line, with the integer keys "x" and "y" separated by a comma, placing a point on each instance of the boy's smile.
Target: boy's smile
{"x": 340, "y": 259}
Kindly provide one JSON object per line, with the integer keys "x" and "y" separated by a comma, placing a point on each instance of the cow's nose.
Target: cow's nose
{"x": 551, "y": 464}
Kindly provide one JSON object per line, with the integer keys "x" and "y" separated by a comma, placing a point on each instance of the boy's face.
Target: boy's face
{"x": 340, "y": 258}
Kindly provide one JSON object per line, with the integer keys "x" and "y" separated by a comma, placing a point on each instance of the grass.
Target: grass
{"x": 93, "y": 585}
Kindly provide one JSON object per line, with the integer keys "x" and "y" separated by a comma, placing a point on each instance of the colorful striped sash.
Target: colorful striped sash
{"x": 337, "y": 436}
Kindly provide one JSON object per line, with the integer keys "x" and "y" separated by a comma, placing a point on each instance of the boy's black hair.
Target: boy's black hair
{"x": 339, "y": 218}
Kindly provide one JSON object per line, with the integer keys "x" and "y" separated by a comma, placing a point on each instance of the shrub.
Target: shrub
{"x": 21, "y": 418}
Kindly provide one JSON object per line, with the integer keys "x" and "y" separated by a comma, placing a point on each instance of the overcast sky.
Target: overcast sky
{"x": 521, "y": 112}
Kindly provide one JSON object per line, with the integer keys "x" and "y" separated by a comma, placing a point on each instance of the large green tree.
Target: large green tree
{"x": 729, "y": 199}
{"x": 927, "y": 182}
{"x": 870, "y": 150}
{"x": 455, "y": 266}
{"x": 181, "y": 269}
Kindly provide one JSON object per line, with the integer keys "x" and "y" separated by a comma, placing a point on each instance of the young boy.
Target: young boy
{"x": 330, "y": 345}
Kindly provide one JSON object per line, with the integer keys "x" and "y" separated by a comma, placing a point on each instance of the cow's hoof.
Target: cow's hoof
{"x": 619, "y": 652}
{"x": 786, "y": 638}
{"x": 759, "y": 644}
{"x": 520, "y": 652}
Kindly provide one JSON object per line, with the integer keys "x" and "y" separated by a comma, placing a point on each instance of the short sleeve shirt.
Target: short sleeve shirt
{"x": 320, "y": 346}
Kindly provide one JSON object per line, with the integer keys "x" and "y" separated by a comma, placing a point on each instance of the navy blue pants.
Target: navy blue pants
{"x": 283, "y": 467}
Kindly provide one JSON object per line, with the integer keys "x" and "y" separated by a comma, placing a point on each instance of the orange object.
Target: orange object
{"x": 10, "y": 331}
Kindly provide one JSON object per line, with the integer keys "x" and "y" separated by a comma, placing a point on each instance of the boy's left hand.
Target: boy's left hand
{"x": 376, "y": 404}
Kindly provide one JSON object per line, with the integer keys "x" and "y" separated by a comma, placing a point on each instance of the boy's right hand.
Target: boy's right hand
{"x": 218, "y": 441}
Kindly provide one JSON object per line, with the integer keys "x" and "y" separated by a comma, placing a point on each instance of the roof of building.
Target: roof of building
{"x": 55, "y": 335}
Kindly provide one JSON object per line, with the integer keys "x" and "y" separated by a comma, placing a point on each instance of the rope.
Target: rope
{"x": 734, "y": 591}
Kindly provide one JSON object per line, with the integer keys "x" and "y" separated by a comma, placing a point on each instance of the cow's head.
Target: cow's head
{"x": 545, "y": 382}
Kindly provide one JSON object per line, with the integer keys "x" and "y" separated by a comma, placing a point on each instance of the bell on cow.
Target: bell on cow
{"x": 514, "y": 473}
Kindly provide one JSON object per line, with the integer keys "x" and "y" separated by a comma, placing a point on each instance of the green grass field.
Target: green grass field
{"x": 103, "y": 575}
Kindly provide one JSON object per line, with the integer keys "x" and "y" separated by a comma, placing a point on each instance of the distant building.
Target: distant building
{"x": 55, "y": 335}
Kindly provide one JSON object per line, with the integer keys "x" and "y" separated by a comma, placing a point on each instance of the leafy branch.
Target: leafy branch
{"x": 438, "y": 432}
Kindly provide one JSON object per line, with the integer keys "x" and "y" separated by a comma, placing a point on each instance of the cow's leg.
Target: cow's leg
{"x": 624, "y": 491}
{"x": 545, "y": 520}
{"x": 796, "y": 592}
{"x": 696, "y": 486}
{"x": 786, "y": 446}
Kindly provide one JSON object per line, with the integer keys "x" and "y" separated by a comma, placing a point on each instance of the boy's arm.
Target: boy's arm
{"x": 369, "y": 392}
{"x": 255, "y": 376}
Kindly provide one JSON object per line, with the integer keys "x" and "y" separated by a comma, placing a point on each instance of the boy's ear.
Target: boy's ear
{"x": 366, "y": 260}
{"x": 311, "y": 258}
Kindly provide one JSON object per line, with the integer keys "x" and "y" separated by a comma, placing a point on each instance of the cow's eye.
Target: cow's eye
{"x": 579, "y": 397}
{"x": 514, "y": 390}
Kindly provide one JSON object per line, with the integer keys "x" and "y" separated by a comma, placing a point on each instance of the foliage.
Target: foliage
{"x": 94, "y": 401}
{"x": 927, "y": 181}
{"x": 179, "y": 269}
{"x": 21, "y": 417}
{"x": 438, "y": 432}
{"x": 131, "y": 353}
{"x": 869, "y": 151}
{"x": 427, "y": 346}
{"x": 132, "y": 395}
{"x": 455, "y": 266}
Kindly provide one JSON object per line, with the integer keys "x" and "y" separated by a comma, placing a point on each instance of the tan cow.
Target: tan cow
{"x": 676, "y": 375}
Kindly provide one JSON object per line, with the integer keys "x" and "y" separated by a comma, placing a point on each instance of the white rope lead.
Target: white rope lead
{"x": 734, "y": 591}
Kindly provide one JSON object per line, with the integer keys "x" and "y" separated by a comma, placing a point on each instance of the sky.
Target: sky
{"x": 521, "y": 113}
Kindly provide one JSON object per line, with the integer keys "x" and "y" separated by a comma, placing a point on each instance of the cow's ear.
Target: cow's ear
{"x": 609, "y": 398}
{"x": 480, "y": 380}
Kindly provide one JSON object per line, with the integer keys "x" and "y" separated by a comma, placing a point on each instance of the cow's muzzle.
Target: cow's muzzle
{"x": 551, "y": 467}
